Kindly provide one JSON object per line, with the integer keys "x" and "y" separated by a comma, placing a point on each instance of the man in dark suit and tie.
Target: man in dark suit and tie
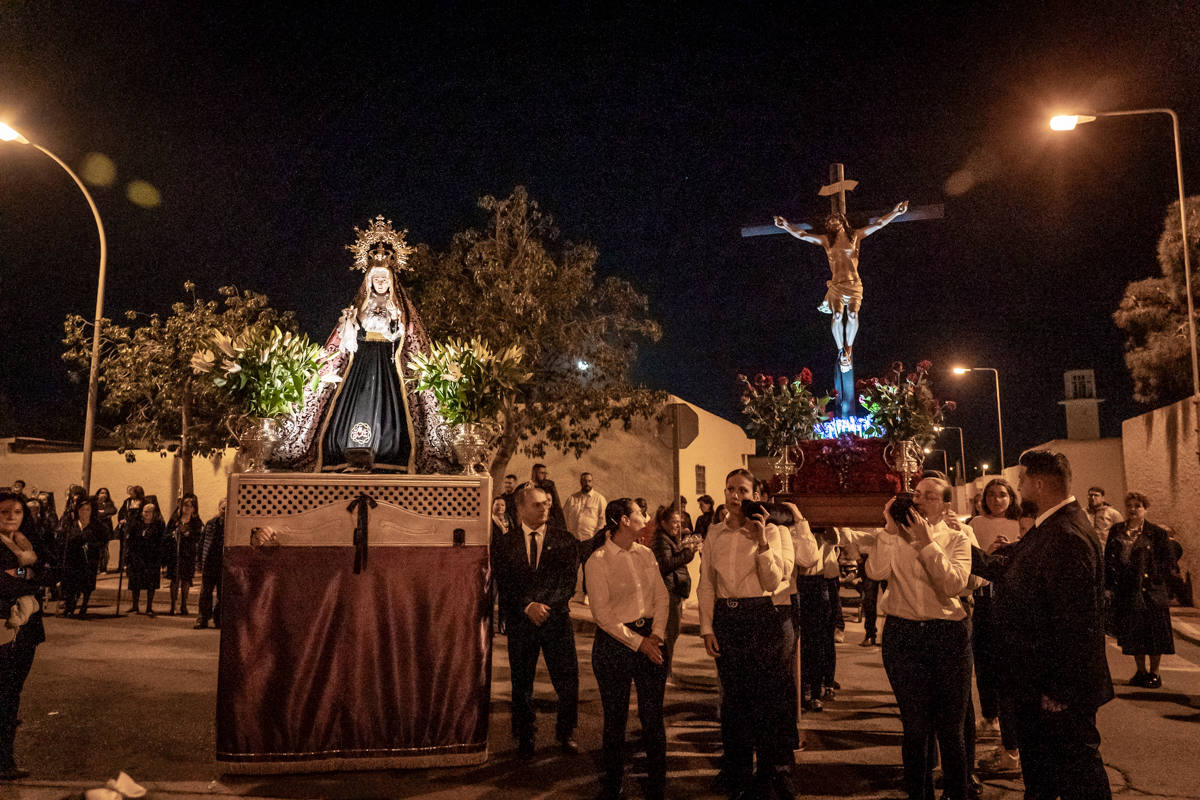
{"x": 535, "y": 567}
{"x": 1048, "y": 606}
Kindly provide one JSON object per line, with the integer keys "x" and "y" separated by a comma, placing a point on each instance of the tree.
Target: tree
{"x": 516, "y": 283}
{"x": 1153, "y": 315}
{"x": 146, "y": 375}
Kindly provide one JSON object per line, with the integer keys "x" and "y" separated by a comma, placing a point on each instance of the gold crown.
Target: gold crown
{"x": 379, "y": 233}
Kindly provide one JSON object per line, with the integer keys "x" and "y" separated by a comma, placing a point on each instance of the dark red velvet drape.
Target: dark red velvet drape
{"x": 320, "y": 664}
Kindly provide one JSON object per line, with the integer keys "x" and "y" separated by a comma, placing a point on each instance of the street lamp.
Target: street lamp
{"x": 945, "y": 459}
{"x": 985, "y": 468}
{"x": 962, "y": 450}
{"x": 8, "y": 134}
{"x": 1068, "y": 122}
{"x": 999, "y": 416}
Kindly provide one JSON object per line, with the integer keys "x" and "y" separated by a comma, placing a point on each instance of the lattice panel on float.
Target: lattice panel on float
{"x": 286, "y": 499}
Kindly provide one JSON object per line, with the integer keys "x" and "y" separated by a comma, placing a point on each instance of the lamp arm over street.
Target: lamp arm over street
{"x": 93, "y": 375}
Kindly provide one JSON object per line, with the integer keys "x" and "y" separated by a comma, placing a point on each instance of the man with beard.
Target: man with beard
{"x": 1048, "y": 608}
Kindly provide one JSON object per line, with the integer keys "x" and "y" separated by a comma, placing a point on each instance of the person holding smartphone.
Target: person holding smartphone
{"x": 743, "y": 564}
{"x": 926, "y": 644}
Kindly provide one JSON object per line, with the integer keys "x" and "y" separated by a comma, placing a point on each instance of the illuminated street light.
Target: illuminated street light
{"x": 999, "y": 416}
{"x": 1066, "y": 123}
{"x": 9, "y": 134}
{"x": 985, "y": 468}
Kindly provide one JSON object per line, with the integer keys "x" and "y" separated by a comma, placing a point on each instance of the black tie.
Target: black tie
{"x": 533, "y": 550}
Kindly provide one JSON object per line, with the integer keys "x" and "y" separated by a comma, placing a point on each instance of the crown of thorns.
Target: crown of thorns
{"x": 377, "y": 234}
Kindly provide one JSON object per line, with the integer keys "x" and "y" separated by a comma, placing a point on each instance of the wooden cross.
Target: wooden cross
{"x": 838, "y": 186}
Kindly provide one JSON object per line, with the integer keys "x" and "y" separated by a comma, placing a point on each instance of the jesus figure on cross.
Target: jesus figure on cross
{"x": 843, "y": 299}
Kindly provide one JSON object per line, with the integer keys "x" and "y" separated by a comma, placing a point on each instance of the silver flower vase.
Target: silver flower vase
{"x": 256, "y": 444}
{"x": 905, "y": 459}
{"x": 471, "y": 441}
{"x": 785, "y": 468}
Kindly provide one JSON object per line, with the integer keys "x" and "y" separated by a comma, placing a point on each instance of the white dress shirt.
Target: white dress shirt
{"x": 1045, "y": 515}
{"x": 584, "y": 514}
{"x": 625, "y": 586}
{"x": 788, "y": 537}
{"x": 923, "y": 584}
{"x": 731, "y": 566}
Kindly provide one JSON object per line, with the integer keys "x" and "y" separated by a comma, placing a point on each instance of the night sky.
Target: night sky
{"x": 653, "y": 132}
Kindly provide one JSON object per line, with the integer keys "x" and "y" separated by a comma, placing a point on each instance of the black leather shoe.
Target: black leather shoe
{"x": 868, "y": 641}
{"x": 1139, "y": 678}
{"x": 813, "y": 704}
{"x": 569, "y": 745}
{"x": 829, "y": 694}
{"x": 1153, "y": 681}
{"x": 200, "y": 625}
{"x": 525, "y": 749}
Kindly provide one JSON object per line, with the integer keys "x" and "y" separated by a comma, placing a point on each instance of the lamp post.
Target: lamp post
{"x": 962, "y": 450}
{"x": 1068, "y": 122}
{"x": 999, "y": 416}
{"x": 945, "y": 458}
{"x": 8, "y": 134}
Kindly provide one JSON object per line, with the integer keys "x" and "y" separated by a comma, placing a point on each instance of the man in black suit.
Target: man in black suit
{"x": 535, "y": 568}
{"x": 1048, "y": 606}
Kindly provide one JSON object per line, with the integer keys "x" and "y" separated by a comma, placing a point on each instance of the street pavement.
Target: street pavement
{"x": 137, "y": 694}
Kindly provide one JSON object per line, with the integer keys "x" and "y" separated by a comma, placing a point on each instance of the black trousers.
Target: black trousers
{"x": 790, "y": 613}
{"x": 835, "y": 604}
{"x": 1060, "y": 752}
{"x": 752, "y": 666}
{"x": 870, "y": 600}
{"x": 817, "y": 648}
{"x": 16, "y": 659}
{"x": 208, "y": 609}
{"x": 554, "y": 639}
{"x": 616, "y": 667}
{"x": 928, "y": 664}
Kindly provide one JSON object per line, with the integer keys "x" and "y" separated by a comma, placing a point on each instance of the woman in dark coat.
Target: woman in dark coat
{"x": 143, "y": 552}
{"x": 1139, "y": 564}
{"x": 673, "y": 557}
{"x": 180, "y": 555}
{"x": 84, "y": 536}
{"x": 106, "y": 511}
{"x": 20, "y": 551}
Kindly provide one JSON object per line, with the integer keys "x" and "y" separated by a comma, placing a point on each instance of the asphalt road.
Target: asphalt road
{"x": 137, "y": 694}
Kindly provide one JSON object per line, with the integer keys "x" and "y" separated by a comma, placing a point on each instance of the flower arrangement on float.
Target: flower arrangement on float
{"x": 470, "y": 382}
{"x": 265, "y": 374}
{"x": 782, "y": 412}
{"x": 904, "y": 413}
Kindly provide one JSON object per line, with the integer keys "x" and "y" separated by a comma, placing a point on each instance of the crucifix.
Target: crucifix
{"x": 842, "y": 243}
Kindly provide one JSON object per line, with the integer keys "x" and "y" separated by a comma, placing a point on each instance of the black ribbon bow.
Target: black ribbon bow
{"x": 363, "y": 503}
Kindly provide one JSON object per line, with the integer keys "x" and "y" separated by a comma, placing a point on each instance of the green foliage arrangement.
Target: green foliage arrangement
{"x": 902, "y": 405}
{"x": 469, "y": 379}
{"x": 1153, "y": 316}
{"x": 149, "y": 392}
{"x": 265, "y": 372}
{"x": 782, "y": 412}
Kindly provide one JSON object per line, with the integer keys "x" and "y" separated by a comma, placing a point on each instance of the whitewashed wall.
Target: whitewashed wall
{"x": 156, "y": 474}
{"x": 1161, "y": 462}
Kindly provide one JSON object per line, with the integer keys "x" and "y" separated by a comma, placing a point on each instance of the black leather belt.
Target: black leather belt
{"x": 744, "y": 602}
{"x": 641, "y": 624}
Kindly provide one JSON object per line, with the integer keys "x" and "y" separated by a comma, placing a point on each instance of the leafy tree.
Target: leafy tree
{"x": 516, "y": 283}
{"x": 146, "y": 376}
{"x": 1153, "y": 315}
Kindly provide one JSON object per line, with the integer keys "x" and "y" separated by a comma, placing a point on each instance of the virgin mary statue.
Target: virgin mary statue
{"x": 363, "y": 402}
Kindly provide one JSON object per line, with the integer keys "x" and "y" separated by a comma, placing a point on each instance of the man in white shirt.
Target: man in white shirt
{"x": 629, "y": 603}
{"x": 926, "y": 645}
{"x": 584, "y": 510}
{"x": 743, "y": 565}
{"x": 1101, "y": 513}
